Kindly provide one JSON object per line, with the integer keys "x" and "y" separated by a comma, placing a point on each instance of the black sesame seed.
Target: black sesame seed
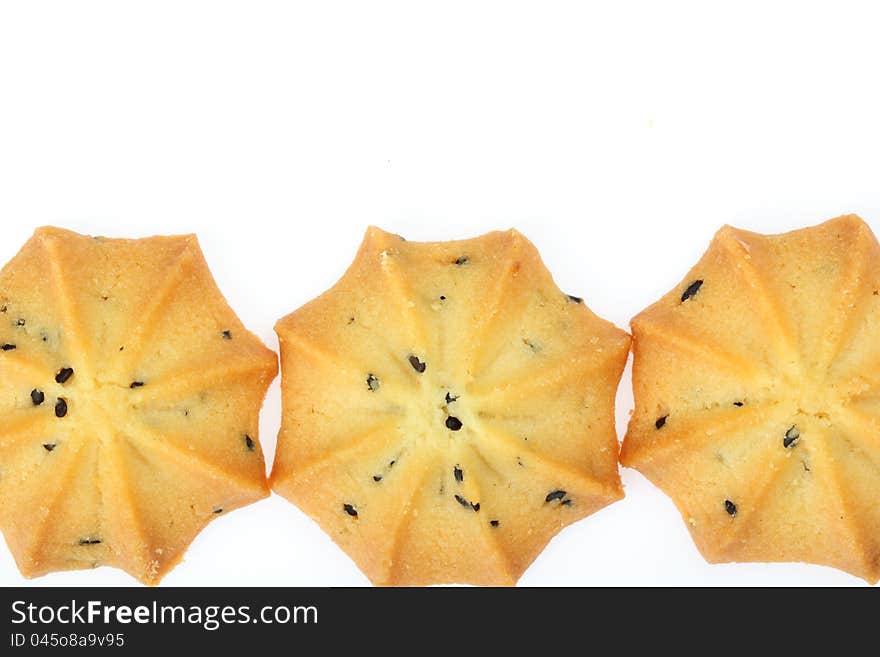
{"x": 372, "y": 382}
{"x": 377, "y": 477}
{"x": 89, "y": 541}
{"x": 218, "y": 510}
{"x": 350, "y": 510}
{"x": 453, "y": 423}
{"x": 730, "y": 507}
{"x": 63, "y": 375}
{"x": 565, "y": 503}
{"x": 417, "y": 365}
{"x": 661, "y": 421}
{"x": 738, "y": 403}
{"x": 249, "y": 443}
{"x": 19, "y": 322}
{"x": 468, "y": 505}
{"x": 459, "y": 475}
{"x": 574, "y": 299}
{"x": 691, "y": 290}
{"x": 48, "y": 446}
{"x": 462, "y": 260}
{"x": 61, "y": 407}
{"x": 37, "y": 397}
{"x": 136, "y": 384}
{"x": 8, "y": 347}
{"x": 227, "y": 334}
{"x": 442, "y": 297}
{"x": 791, "y": 437}
{"x": 391, "y": 465}
{"x": 450, "y": 398}
{"x": 494, "y": 523}
{"x": 554, "y": 495}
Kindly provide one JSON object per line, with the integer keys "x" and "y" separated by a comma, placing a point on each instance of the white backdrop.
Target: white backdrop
{"x": 618, "y": 138}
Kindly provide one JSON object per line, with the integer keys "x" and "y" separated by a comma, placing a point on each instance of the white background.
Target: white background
{"x": 617, "y": 138}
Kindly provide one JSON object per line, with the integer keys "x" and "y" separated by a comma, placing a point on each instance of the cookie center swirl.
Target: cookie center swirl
{"x": 86, "y": 401}
{"x": 813, "y": 403}
{"x": 444, "y": 415}
{"x": 808, "y": 395}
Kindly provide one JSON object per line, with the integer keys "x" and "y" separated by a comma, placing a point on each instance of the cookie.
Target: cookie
{"x": 130, "y": 395}
{"x": 447, "y": 409}
{"x": 757, "y": 397}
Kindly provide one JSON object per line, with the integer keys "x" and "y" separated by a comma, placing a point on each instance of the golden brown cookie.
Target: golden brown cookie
{"x": 757, "y": 390}
{"x": 130, "y": 395}
{"x": 447, "y": 410}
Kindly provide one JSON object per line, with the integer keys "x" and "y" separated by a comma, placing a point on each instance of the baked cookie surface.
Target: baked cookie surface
{"x": 757, "y": 390}
{"x": 130, "y": 395}
{"x": 447, "y": 410}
